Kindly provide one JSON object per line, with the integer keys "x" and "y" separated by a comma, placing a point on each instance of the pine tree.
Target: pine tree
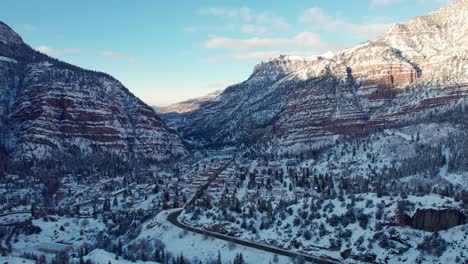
{"x": 218, "y": 261}
{"x": 33, "y": 210}
{"x": 400, "y": 213}
{"x": 239, "y": 259}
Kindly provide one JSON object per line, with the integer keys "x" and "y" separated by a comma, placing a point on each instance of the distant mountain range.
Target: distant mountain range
{"x": 414, "y": 73}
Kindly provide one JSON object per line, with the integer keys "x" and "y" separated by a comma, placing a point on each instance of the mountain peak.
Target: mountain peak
{"x": 8, "y": 35}
{"x": 328, "y": 55}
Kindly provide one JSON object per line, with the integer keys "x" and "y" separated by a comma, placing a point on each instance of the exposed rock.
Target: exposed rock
{"x": 437, "y": 220}
{"x": 50, "y": 106}
{"x": 414, "y": 71}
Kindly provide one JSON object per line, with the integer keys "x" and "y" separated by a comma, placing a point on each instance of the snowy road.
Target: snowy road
{"x": 196, "y": 247}
{"x": 14, "y": 218}
{"x": 172, "y": 218}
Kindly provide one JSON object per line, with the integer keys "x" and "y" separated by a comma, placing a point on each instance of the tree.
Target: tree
{"x": 61, "y": 258}
{"x": 433, "y": 244}
{"x": 33, "y": 210}
{"x": 400, "y": 213}
{"x": 106, "y": 205}
{"x": 115, "y": 202}
{"x": 94, "y": 211}
{"x": 299, "y": 259}
{"x": 239, "y": 259}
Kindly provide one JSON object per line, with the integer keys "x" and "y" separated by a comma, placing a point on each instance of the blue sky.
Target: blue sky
{"x": 168, "y": 51}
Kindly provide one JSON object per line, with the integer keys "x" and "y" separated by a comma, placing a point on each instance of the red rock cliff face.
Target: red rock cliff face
{"x": 416, "y": 72}
{"x": 49, "y": 106}
{"x": 388, "y": 76}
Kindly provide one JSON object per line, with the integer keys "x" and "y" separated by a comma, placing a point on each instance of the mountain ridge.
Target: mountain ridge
{"x": 48, "y": 105}
{"x": 361, "y": 88}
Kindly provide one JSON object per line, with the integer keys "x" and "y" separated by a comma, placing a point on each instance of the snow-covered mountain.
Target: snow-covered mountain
{"x": 48, "y": 106}
{"x": 416, "y": 72}
{"x": 188, "y": 105}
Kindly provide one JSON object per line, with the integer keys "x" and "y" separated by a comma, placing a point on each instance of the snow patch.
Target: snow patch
{"x": 5, "y": 59}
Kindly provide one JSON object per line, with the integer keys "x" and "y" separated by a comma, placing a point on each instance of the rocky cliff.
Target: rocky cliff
{"x": 48, "y": 106}
{"x": 416, "y": 72}
{"x": 437, "y": 220}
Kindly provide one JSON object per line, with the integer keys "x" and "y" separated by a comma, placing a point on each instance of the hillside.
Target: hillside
{"x": 49, "y": 107}
{"x": 415, "y": 71}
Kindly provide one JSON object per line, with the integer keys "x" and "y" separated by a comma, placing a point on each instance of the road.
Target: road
{"x": 172, "y": 218}
{"x": 196, "y": 195}
{"x": 13, "y": 213}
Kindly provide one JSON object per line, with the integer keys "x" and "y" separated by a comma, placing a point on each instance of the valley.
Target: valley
{"x": 357, "y": 156}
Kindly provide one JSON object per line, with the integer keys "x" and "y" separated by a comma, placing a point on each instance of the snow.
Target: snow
{"x": 14, "y": 218}
{"x": 403, "y": 135}
{"x": 47, "y": 64}
{"x": 327, "y": 55}
{"x": 444, "y": 168}
{"x": 16, "y": 260}
{"x": 76, "y": 232}
{"x": 100, "y": 256}
{"x": 195, "y": 246}
{"x": 457, "y": 179}
{"x": 5, "y": 59}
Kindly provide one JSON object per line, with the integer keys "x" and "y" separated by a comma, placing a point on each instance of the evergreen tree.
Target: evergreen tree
{"x": 219, "y": 261}
{"x": 115, "y": 202}
{"x": 239, "y": 259}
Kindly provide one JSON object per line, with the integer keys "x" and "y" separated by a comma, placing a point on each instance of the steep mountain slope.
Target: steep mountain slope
{"x": 48, "y": 106}
{"x": 242, "y": 107}
{"x": 188, "y": 105}
{"x": 416, "y": 72}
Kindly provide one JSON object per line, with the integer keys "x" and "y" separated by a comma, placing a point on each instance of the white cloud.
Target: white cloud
{"x": 266, "y": 18}
{"x": 255, "y": 55}
{"x": 119, "y": 55}
{"x": 110, "y": 54}
{"x": 319, "y": 20}
{"x": 243, "y": 19}
{"x": 445, "y": 2}
{"x": 57, "y": 52}
{"x": 243, "y": 13}
{"x": 254, "y": 29}
{"x": 440, "y": 2}
{"x": 267, "y": 55}
{"x": 199, "y": 28}
{"x": 302, "y": 44}
{"x": 304, "y": 39}
{"x": 376, "y": 3}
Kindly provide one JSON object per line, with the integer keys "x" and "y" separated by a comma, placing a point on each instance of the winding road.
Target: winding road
{"x": 173, "y": 219}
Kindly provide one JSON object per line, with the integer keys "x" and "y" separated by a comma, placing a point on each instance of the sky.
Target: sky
{"x": 169, "y": 51}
